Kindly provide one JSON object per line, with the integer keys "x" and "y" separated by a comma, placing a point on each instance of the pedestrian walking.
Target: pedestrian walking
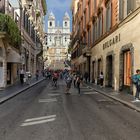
{"x": 37, "y": 74}
{"x": 78, "y": 82}
{"x": 22, "y": 74}
{"x": 28, "y": 77}
{"x": 101, "y": 78}
{"x": 68, "y": 80}
{"x": 55, "y": 77}
{"x": 74, "y": 80}
{"x": 136, "y": 82}
{"x": 43, "y": 73}
{"x": 86, "y": 76}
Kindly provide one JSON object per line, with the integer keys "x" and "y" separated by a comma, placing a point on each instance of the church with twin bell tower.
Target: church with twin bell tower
{"x": 57, "y": 42}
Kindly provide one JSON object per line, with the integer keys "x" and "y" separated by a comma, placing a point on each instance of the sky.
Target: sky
{"x": 58, "y": 7}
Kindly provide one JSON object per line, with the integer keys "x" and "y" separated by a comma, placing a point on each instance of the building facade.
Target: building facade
{"x": 32, "y": 32}
{"x": 57, "y": 42}
{"x": 21, "y": 38}
{"x": 108, "y": 41}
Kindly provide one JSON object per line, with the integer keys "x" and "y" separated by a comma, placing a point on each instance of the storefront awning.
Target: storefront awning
{"x": 13, "y": 57}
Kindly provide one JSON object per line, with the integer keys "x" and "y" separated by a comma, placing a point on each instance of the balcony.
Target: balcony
{"x": 99, "y": 10}
{"x": 106, "y": 1}
{"x": 10, "y": 29}
{"x": 94, "y": 18}
{"x": 88, "y": 25}
{"x": 86, "y": 51}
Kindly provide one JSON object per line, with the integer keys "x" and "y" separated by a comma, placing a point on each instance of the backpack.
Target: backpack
{"x": 55, "y": 76}
{"x": 69, "y": 79}
{"x": 134, "y": 79}
{"x": 78, "y": 80}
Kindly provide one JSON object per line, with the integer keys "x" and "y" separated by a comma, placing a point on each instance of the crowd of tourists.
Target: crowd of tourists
{"x": 75, "y": 79}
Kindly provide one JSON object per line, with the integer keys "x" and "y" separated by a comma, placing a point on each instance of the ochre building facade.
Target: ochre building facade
{"x": 106, "y": 39}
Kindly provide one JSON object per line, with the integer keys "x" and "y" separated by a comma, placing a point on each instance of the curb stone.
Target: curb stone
{"x": 4, "y": 99}
{"x": 119, "y": 100}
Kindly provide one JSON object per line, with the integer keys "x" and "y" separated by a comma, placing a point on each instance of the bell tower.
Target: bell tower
{"x": 51, "y": 21}
{"x": 66, "y": 22}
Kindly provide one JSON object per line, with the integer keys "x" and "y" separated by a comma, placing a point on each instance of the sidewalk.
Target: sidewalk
{"x": 123, "y": 98}
{"x": 17, "y": 88}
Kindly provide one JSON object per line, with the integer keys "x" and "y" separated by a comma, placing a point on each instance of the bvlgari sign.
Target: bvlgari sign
{"x": 112, "y": 41}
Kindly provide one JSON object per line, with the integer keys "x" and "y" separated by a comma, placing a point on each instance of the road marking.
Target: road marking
{"x": 53, "y": 94}
{"x": 90, "y": 92}
{"x": 47, "y": 100}
{"x": 39, "y": 120}
{"x": 105, "y": 100}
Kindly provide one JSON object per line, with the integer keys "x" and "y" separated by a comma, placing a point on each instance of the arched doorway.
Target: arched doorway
{"x": 126, "y": 67}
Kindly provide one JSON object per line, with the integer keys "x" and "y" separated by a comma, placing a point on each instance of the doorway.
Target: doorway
{"x": 127, "y": 69}
{"x": 109, "y": 75}
{"x": 93, "y": 72}
{"x": 9, "y": 66}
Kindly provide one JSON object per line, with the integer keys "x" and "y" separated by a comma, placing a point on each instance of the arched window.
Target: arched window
{"x": 50, "y": 39}
{"x": 66, "y": 23}
{"x": 50, "y": 24}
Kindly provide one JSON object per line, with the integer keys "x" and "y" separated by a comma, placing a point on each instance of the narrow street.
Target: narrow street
{"x": 46, "y": 113}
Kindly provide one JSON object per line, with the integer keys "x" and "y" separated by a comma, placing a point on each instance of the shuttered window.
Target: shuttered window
{"x": 89, "y": 37}
{"x": 108, "y": 16}
{"x": 95, "y": 3}
{"x": 100, "y": 25}
{"x": 93, "y": 35}
{"x": 130, "y": 6}
{"x": 89, "y": 5}
{"x": 95, "y": 30}
{"x": 84, "y": 20}
{"x": 121, "y": 10}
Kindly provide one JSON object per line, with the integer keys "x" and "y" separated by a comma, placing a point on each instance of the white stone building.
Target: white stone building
{"x": 58, "y": 39}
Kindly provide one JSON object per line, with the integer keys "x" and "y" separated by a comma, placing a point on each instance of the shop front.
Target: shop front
{"x": 126, "y": 67}
{"x": 13, "y": 65}
{"x": 119, "y": 61}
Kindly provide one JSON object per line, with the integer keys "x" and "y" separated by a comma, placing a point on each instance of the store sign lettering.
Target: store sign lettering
{"x": 112, "y": 41}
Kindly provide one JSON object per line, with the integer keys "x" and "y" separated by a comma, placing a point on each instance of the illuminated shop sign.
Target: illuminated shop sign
{"x": 112, "y": 41}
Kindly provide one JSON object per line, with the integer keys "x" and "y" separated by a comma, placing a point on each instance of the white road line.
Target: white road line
{"x": 38, "y": 122}
{"x": 53, "y": 94}
{"x": 90, "y": 92}
{"x": 47, "y": 100}
{"x": 40, "y": 118}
